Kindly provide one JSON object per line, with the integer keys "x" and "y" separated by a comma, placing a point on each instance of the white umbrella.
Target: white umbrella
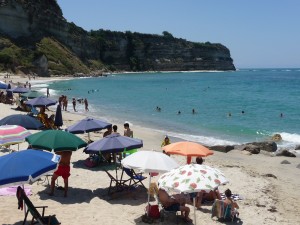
{"x": 149, "y": 162}
{"x": 192, "y": 178}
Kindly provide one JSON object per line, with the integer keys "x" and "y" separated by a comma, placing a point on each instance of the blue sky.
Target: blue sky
{"x": 258, "y": 33}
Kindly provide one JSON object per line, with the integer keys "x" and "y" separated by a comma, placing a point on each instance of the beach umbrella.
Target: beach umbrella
{"x": 88, "y": 125}
{"x": 149, "y": 162}
{"x": 192, "y": 178}
{"x": 56, "y": 140}
{"x": 19, "y": 90}
{"x": 25, "y": 121}
{"x": 41, "y": 101}
{"x": 58, "y": 121}
{"x": 113, "y": 143}
{"x": 32, "y": 94}
{"x": 187, "y": 148}
{"x": 12, "y": 134}
{"x": 3, "y": 85}
{"x": 26, "y": 166}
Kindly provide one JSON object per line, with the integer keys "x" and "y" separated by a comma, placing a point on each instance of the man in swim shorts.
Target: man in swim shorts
{"x": 63, "y": 170}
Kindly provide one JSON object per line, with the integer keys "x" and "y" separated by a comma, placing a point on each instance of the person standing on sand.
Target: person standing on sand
{"x": 127, "y": 132}
{"x": 107, "y": 156}
{"x": 115, "y": 129}
{"x": 86, "y": 105}
{"x": 65, "y": 103}
{"x": 108, "y": 132}
{"x": 63, "y": 170}
{"x": 74, "y": 104}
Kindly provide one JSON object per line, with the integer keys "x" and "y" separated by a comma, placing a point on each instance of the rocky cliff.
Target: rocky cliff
{"x": 27, "y": 27}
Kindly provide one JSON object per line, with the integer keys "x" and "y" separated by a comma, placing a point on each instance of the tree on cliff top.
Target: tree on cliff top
{"x": 167, "y": 34}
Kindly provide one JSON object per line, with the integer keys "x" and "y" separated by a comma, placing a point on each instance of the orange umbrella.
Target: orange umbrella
{"x": 188, "y": 149}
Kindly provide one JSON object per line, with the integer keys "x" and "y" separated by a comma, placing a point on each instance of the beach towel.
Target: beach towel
{"x": 235, "y": 197}
{"x": 11, "y": 191}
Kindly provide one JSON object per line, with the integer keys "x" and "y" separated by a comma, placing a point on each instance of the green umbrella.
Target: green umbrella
{"x": 56, "y": 140}
{"x": 32, "y": 94}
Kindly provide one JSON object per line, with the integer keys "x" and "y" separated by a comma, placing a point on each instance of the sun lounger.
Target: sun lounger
{"x": 36, "y": 216}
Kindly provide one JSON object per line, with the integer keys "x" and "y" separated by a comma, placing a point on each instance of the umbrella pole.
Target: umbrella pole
{"x": 194, "y": 200}
{"x": 24, "y": 201}
{"x": 89, "y": 136}
{"x": 149, "y": 194}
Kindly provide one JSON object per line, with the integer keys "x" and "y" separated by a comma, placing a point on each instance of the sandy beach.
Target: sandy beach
{"x": 268, "y": 187}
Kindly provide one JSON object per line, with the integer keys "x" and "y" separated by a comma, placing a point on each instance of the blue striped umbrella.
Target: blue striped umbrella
{"x": 26, "y": 166}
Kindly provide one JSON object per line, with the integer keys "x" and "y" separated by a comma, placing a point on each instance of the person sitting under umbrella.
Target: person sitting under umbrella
{"x": 207, "y": 196}
{"x": 173, "y": 204}
{"x": 47, "y": 121}
{"x": 63, "y": 170}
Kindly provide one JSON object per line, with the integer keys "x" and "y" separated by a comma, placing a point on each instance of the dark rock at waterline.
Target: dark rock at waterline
{"x": 285, "y": 162}
{"x": 268, "y": 146}
{"x": 252, "y": 148}
{"x": 222, "y": 148}
{"x": 286, "y": 153}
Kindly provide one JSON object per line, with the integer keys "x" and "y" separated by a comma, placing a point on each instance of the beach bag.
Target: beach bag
{"x": 91, "y": 161}
{"x": 153, "y": 211}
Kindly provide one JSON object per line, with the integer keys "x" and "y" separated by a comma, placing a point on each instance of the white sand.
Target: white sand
{"x": 88, "y": 202}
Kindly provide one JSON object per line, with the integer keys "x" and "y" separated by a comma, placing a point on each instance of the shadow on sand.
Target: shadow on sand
{"x": 78, "y": 195}
{"x": 133, "y": 196}
{"x": 103, "y": 165}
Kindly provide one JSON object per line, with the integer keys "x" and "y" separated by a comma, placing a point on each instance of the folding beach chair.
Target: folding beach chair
{"x": 116, "y": 184}
{"x": 223, "y": 212}
{"x": 135, "y": 178}
{"x": 37, "y": 218}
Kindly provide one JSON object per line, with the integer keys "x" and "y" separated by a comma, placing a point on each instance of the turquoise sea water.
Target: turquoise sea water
{"x": 263, "y": 94}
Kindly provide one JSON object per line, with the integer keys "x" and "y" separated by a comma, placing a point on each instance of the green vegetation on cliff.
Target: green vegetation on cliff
{"x": 60, "y": 59}
{"x": 12, "y": 56}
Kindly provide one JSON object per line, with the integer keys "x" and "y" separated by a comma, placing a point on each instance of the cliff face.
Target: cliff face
{"x": 153, "y": 52}
{"x": 27, "y": 22}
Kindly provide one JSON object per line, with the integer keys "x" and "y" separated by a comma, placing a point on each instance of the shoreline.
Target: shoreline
{"x": 209, "y": 140}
